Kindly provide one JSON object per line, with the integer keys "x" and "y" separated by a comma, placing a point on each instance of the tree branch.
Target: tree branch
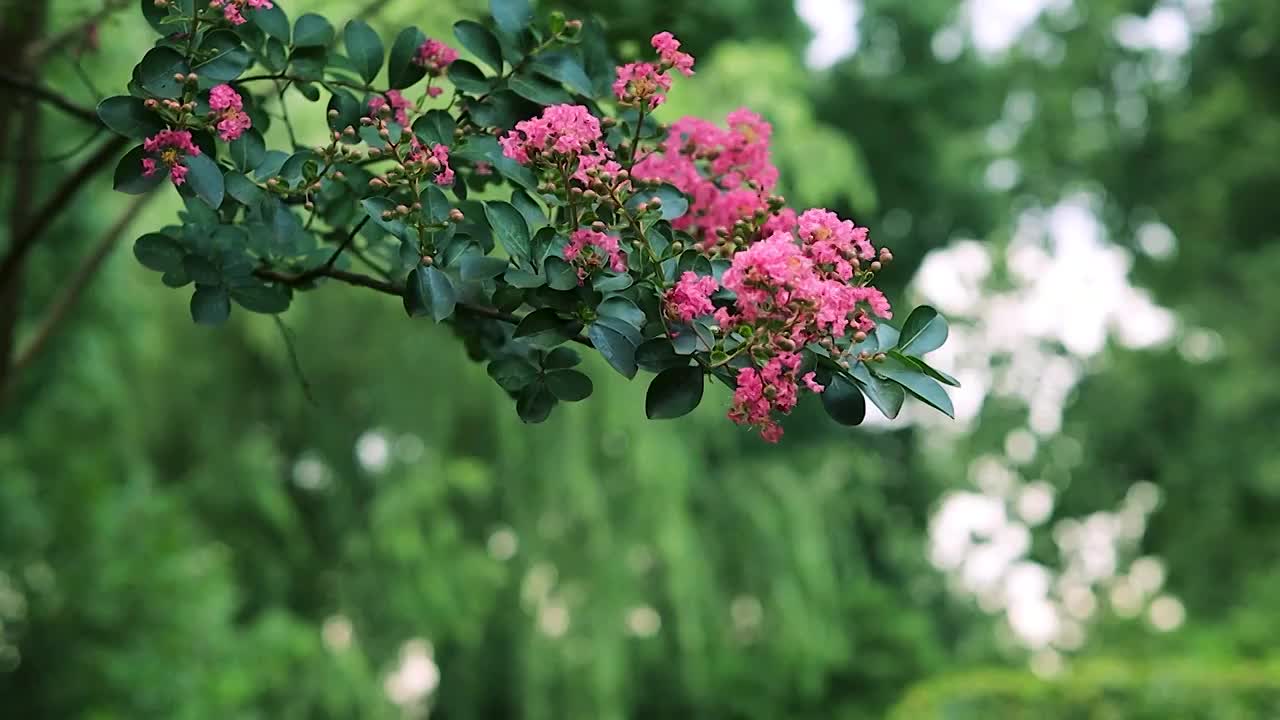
{"x": 39, "y": 50}
{"x": 24, "y": 240}
{"x": 388, "y": 288}
{"x": 40, "y": 92}
{"x": 76, "y": 286}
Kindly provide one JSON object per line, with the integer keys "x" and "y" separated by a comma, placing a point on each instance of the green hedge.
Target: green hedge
{"x": 1097, "y": 690}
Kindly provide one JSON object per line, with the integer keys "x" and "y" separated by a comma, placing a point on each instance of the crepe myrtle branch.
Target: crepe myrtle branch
{"x": 385, "y": 287}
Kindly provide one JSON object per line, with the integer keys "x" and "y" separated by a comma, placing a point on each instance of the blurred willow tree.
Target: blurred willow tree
{"x": 180, "y": 528}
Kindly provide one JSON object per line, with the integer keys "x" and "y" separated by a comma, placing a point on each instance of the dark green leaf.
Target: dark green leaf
{"x": 511, "y": 15}
{"x": 531, "y": 210}
{"x": 308, "y": 63}
{"x": 569, "y": 385}
{"x": 615, "y": 347}
{"x": 259, "y": 298}
{"x": 228, "y": 60}
{"x": 674, "y": 203}
{"x": 436, "y": 127}
{"x": 539, "y": 90}
{"x": 375, "y": 206}
{"x": 312, "y": 30}
{"x": 128, "y": 116}
{"x": 482, "y": 43}
{"x": 540, "y": 321}
{"x": 885, "y": 394}
{"x": 657, "y": 354}
{"x": 429, "y": 292}
{"x": 916, "y": 382}
{"x": 562, "y": 66}
{"x": 129, "y": 178}
{"x": 435, "y": 206}
{"x": 482, "y": 267}
{"x": 844, "y": 402}
{"x": 155, "y": 72}
{"x": 674, "y": 392}
{"x": 159, "y": 252}
{"x": 248, "y": 150}
{"x": 205, "y": 178}
{"x": 349, "y": 111}
{"x": 468, "y": 78}
{"x": 523, "y": 279}
{"x": 364, "y": 48}
{"x": 210, "y": 305}
{"x": 501, "y": 109}
{"x": 402, "y": 70}
{"x": 201, "y": 270}
{"x": 512, "y": 372}
{"x": 886, "y": 335}
{"x": 561, "y": 358}
{"x": 560, "y": 274}
{"x": 243, "y": 189}
{"x": 924, "y": 330}
{"x": 273, "y": 22}
{"x": 622, "y": 309}
{"x": 510, "y": 229}
{"x": 612, "y": 283}
{"x": 535, "y": 403}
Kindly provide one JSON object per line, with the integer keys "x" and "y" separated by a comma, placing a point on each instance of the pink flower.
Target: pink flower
{"x": 641, "y": 82}
{"x": 228, "y": 107}
{"x": 435, "y": 56}
{"x": 561, "y": 129}
{"x": 397, "y": 102}
{"x": 434, "y": 91}
{"x": 436, "y": 160}
{"x": 668, "y": 48}
{"x": 589, "y": 251}
{"x": 832, "y": 243}
{"x": 484, "y": 168}
{"x": 772, "y": 389}
{"x": 231, "y": 9}
{"x": 690, "y": 297}
{"x": 168, "y": 147}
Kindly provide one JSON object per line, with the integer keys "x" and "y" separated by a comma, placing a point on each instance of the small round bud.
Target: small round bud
{"x": 599, "y": 226}
{"x": 192, "y": 78}
{"x": 574, "y": 25}
{"x": 402, "y": 210}
{"x": 642, "y": 208}
{"x": 273, "y": 183}
{"x": 388, "y": 215}
{"x": 309, "y": 205}
{"x": 151, "y": 103}
{"x": 860, "y": 336}
{"x": 591, "y": 195}
{"x": 384, "y": 133}
{"x": 876, "y": 266}
{"x": 428, "y": 260}
{"x": 456, "y": 215}
{"x": 677, "y": 247}
{"x": 333, "y": 113}
{"x": 179, "y": 77}
{"x": 879, "y": 357}
{"x": 655, "y": 202}
{"x": 377, "y": 182}
{"x": 375, "y": 152}
{"x": 432, "y": 165}
{"x": 339, "y": 175}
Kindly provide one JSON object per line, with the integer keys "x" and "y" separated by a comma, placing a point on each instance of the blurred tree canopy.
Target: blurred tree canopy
{"x": 184, "y": 534}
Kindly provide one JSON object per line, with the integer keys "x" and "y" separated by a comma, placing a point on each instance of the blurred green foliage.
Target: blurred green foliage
{"x": 178, "y": 522}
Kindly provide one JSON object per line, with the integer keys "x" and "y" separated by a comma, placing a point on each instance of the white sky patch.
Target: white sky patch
{"x": 835, "y": 30}
{"x": 996, "y": 24}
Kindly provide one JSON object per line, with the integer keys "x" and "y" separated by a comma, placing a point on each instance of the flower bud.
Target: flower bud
{"x": 876, "y": 266}
{"x": 309, "y": 205}
{"x": 402, "y": 210}
{"x": 574, "y": 25}
{"x": 150, "y": 103}
{"x": 879, "y": 357}
{"x": 339, "y": 175}
{"x": 388, "y": 215}
{"x": 192, "y": 78}
{"x": 860, "y": 336}
{"x": 655, "y": 202}
{"x": 456, "y": 215}
{"x": 179, "y": 77}
{"x": 333, "y": 113}
{"x": 642, "y": 208}
{"x": 384, "y": 133}
{"x": 599, "y": 226}
{"x": 377, "y": 182}
{"x": 375, "y": 152}
{"x": 427, "y": 260}
{"x": 273, "y": 183}
{"x": 432, "y": 165}
{"x": 677, "y": 247}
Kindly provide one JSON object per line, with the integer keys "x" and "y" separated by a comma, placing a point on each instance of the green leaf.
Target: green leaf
{"x": 544, "y": 320}
{"x": 436, "y": 127}
{"x": 560, "y": 274}
{"x": 201, "y": 270}
{"x": 482, "y": 43}
{"x": 562, "y": 66}
{"x": 159, "y": 252}
{"x": 612, "y": 283}
{"x": 248, "y": 150}
{"x": 229, "y": 59}
{"x": 243, "y": 189}
{"x": 885, "y": 394}
{"x": 308, "y": 63}
{"x": 924, "y": 330}
{"x": 674, "y": 203}
{"x": 155, "y": 72}
{"x": 512, "y": 372}
{"x": 482, "y": 267}
{"x": 312, "y": 30}
{"x": 523, "y": 279}
{"x": 561, "y": 358}
{"x": 674, "y": 392}
{"x": 129, "y": 116}
{"x": 569, "y": 385}
{"x": 205, "y": 178}
{"x": 535, "y": 88}
{"x": 886, "y": 335}
{"x": 916, "y": 382}
{"x": 129, "y": 178}
{"x": 435, "y": 206}
{"x": 402, "y": 71}
{"x": 501, "y": 109}
{"x": 531, "y": 210}
{"x": 844, "y": 402}
{"x": 510, "y": 229}
{"x": 429, "y": 292}
{"x": 375, "y": 206}
{"x": 259, "y": 298}
{"x": 657, "y": 354}
{"x": 535, "y": 403}
{"x": 511, "y": 15}
{"x": 364, "y": 48}
{"x": 615, "y": 347}
{"x": 273, "y": 21}
{"x": 622, "y": 309}
{"x": 210, "y": 305}
{"x": 933, "y": 372}
{"x": 468, "y": 78}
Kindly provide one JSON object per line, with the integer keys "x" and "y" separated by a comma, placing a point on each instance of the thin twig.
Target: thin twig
{"x": 61, "y": 102}
{"x": 76, "y": 286}
{"x": 39, "y": 221}
{"x": 287, "y": 335}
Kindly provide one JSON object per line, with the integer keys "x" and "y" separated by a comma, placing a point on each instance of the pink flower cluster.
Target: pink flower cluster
{"x": 228, "y": 107}
{"x": 643, "y": 83}
{"x": 727, "y": 174}
{"x": 232, "y": 9}
{"x": 792, "y": 289}
{"x": 435, "y": 158}
{"x": 435, "y": 56}
{"x": 564, "y": 130}
{"x": 588, "y": 251}
{"x": 773, "y": 388}
{"x": 398, "y": 103}
{"x": 168, "y": 147}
